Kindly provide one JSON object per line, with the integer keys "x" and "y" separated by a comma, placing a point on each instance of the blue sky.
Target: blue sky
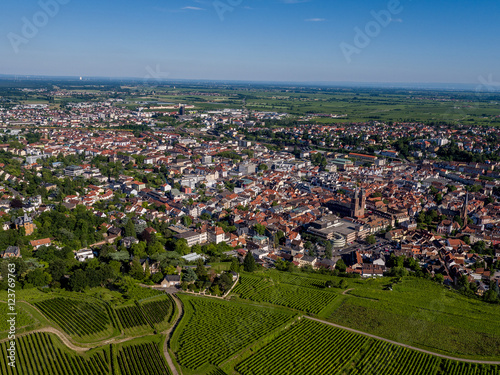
{"x": 264, "y": 40}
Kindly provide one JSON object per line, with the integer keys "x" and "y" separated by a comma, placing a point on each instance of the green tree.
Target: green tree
{"x": 38, "y": 277}
{"x": 130, "y": 229}
{"x": 340, "y": 266}
{"x": 186, "y": 221}
{"x": 157, "y": 277}
{"x": 182, "y": 247}
{"x": 136, "y": 270}
{"x": 260, "y": 229}
{"x": 235, "y": 265}
{"x": 78, "y": 281}
{"x": 371, "y": 239}
{"x": 249, "y": 264}
{"x": 57, "y": 269}
{"x": 189, "y": 275}
{"x": 439, "y": 278}
{"x": 201, "y": 271}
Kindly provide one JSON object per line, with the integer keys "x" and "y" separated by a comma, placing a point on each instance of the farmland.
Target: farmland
{"x": 417, "y": 312}
{"x": 42, "y": 353}
{"x": 217, "y": 337}
{"x": 145, "y": 358}
{"x": 310, "y": 300}
{"x": 334, "y": 351}
{"x": 153, "y": 313}
{"x": 211, "y": 330}
{"x": 131, "y": 317}
{"x": 78, "y": 318}
{"x": 23, "y": 318}
{"x": 421, "y": 313}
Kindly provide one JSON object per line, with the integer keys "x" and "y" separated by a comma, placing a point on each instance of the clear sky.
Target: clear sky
{"x": 254, "y": 40}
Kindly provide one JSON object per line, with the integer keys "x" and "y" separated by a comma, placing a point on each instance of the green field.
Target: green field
{"x": 313, "y": 348}
{"x": 213, "y": 330}
{"x": 424, "y": 314}
{"x": 311, "y": 299}
{"x": 23, "y": 318}
{"x": 144, "y": 358}
{"x": 417, "y": 312}
{"x": 79, "y": 318}
{"x": 43, "y": 353}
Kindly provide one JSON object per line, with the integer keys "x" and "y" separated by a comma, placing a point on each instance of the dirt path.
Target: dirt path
{"x": 168, "y": 335}
{"x": 59, "y": 334}
{"x": 406, "y": 346}
{"x": 234, "y": 285}
{"x": 347, "y": 291}
{"x": 67, "y": 340}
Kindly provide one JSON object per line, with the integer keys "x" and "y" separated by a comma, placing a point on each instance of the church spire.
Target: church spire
{"x": 464, "y": 209}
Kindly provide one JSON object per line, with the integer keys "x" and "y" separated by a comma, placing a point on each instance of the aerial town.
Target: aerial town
{"x": 370, "y": 199}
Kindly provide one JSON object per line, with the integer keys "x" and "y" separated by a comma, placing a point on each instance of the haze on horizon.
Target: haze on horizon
{"x": 254, "y": 40}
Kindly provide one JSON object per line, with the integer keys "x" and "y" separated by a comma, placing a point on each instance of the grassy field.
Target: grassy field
{"x": 422, "y": 313}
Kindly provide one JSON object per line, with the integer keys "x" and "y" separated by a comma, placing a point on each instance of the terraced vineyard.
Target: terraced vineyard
{"x": 131, "y": 317}
{"x": 288, "y": 278}
{"x": 335, "y": 351}
{"x": 158, "y": 311}
{"x": 217, "y": 372}
{"x": 144, "y": 359}
{"x": 153, "y": 313}
{"x": 385, "y": 358}
{"x": 139, "y": 293}
{"x": 41, "y": 354}
{"x": 212, "y": 330}
{"x": 312, "y": 348}
{"x": 463, "y": 368}
{"x": 300, "y": 298}
{"x": 79, "y": 318}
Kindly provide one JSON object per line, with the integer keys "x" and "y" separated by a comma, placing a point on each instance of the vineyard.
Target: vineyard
{"x": 152, "y": 314}
{"x": 159, "y": 310}
{"x": 144, "y": 359}
{"x": 217, "y": 372}
{"x": 335, "y": 351}
{"x": 300, "y": 298}
{"x": 41, "y": 354}
{"x": 312, "y": 348}
{"x": 139, "y": 293}
{"x": 463, "y": 368}
{"x": 289, "y": 278}
{"x": 214, "y": 330}
{"x": 131, "y": 317}
{"x": 79, "y": 318}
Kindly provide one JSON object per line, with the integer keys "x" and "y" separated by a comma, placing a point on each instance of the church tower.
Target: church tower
{"x": 358, "y": 204}
{"x": 464, "y": 213}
